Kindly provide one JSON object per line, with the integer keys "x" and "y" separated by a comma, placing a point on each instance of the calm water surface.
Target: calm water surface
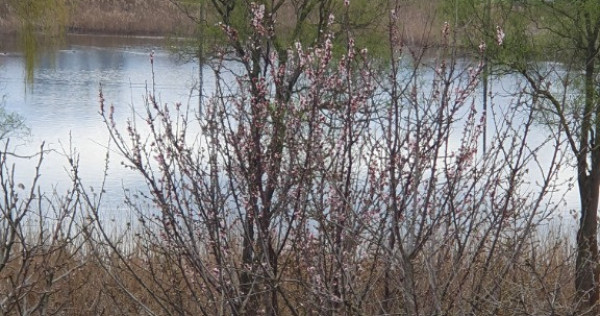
{"x": 62, "y": 103}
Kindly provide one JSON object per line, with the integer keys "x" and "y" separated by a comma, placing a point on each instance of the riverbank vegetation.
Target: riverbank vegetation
{"x": 165, "y": 18}
{"x": 118, "y": 17}
{"x": 315, "y": 182}
{"x": 565, "y": 35}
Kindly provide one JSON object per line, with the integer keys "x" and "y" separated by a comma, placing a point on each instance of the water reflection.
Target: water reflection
{"x": 62, "y": 103}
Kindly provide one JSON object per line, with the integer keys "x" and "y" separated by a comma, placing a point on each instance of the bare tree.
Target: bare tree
{"x": 315, "y": 183}
{"x": 554, "y": 48}
{"x": 40, "y": 240}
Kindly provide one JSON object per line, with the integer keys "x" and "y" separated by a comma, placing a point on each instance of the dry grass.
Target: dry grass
{"x": 125, "y": 17}
{"x": 99, "y": 283}
{"x": 420, "y": 22}
{"x": 161, "y": 17}
{"x": 130, "y": 17}
{"x": 8, "y": 21}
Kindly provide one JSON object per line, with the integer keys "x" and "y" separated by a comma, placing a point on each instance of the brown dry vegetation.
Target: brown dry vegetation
{"x": 193, "y": 256}
{"x": 126, "y": 17}
{"x": 8, "y": 21}
{"x": 146, "y": 17}
{"x": 97, "y": 283}
{"x": 161, "y": 17}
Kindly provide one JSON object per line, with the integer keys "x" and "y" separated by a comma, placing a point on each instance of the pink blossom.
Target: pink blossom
{"x": 482, "y": 47}
{"x": 331, "y": 19}
{"x": 446, "y": 29}
{"x": 499, "y": 35}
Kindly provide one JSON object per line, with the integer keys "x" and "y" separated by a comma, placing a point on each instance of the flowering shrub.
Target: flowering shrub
{"x": 316, "y": 184}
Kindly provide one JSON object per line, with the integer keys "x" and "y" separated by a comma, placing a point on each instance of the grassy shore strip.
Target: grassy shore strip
{"x": 119, "y": 17}
{"x": 163, "y": 18}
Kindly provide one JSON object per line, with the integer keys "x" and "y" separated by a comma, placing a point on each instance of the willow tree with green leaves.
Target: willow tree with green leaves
{"x": 554, "y": 46}
{"x": 39, "y": 19}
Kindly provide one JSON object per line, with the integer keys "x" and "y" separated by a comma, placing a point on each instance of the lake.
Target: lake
{"x": 61, "y": 105}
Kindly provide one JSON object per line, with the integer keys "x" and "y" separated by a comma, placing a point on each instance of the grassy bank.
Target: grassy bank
{"x": 163, "y": 18}
{"x": 130, "y": 17}
{"x": 123, "y": 17}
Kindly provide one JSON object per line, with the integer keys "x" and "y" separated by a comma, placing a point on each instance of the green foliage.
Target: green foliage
{"x": 567, "y": 35}
{"x": 478, "y": 22}
{"x": 47, "y": 15}
{"x": 535, "y": 30}
{"x": 47, "y": 18}
{"x": 11, "y": 124}
{"x": 292, "y": 21}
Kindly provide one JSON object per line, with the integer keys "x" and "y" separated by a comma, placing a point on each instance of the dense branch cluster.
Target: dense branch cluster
{"x": 310, "y": 181}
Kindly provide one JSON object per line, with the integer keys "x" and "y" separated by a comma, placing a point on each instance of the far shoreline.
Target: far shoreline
{"x": 113, "y": 17}
{"x": 161, "y": 18}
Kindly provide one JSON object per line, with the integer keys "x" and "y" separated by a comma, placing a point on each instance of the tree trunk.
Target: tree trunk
{"x": 586, "y": 275}
{"x": 246, "y": 278}
{"x": 409, "y": 291}
{"x": 586, "y": 265}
